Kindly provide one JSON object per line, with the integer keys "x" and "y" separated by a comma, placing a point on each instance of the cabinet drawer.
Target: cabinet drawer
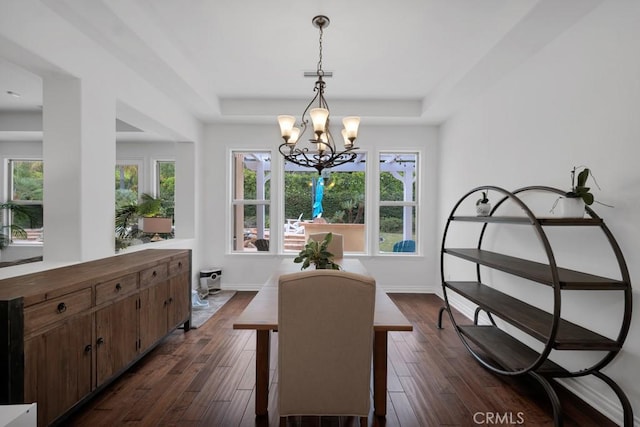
{"x": 56, "y": 309}
{"x": 179, "y": 266}
{"x": 153, "y": 275}
{"x": 113, "y": 289}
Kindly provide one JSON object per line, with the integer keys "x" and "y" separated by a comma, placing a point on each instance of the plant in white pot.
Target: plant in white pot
{"x": 573, "y": 203}
{"x": 483, "y": 207}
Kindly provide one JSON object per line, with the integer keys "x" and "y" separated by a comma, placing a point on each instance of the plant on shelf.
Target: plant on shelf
{"x": 315, "y": 252}
{"x": 579, "y": 194}
{"x": 128, "y": 216}
{"x": 483, "y": 207}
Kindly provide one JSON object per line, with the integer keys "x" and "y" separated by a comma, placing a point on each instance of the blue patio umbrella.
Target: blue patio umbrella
{"x": 317, "y": 202}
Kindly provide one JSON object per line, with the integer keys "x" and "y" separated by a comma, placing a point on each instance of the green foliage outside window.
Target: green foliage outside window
{"x": 27, "y": 180}
{"x": 343, "y": 200}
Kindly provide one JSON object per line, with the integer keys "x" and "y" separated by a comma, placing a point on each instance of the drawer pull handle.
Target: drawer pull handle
{"x": 154, "y": 274}
{"x": 100, "y": 341}
{"x": 88, "y": 348}
{"x": 170, "y": 300}
{"x": 118, "y": 287}
{"x": 180, "y": 264}
{"x": 62, "y": 307}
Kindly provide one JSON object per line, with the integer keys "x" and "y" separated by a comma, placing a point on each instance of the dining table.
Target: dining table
{"x": 261, "y": 315}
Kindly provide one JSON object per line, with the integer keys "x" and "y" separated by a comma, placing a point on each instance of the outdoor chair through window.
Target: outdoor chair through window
{"x": 294, "y": 226}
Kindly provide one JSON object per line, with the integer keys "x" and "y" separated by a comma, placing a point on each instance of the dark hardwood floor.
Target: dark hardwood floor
{"x": 206, "y": 378}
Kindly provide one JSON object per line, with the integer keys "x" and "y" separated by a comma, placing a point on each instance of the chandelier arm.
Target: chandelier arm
{"x": 304, "y": 113}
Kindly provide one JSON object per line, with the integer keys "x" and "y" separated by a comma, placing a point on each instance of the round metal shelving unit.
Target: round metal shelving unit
{"x": 498, "y": 351}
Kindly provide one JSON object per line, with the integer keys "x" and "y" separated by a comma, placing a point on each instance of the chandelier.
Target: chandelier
{"x": 323, "y": 153}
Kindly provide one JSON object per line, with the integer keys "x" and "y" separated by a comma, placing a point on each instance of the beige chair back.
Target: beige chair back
{"x": 336, "y": 246}
{"x": 325, "y": 343}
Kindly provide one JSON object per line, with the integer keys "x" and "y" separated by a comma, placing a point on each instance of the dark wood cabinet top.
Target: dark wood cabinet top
{"x": 47, "y": 284}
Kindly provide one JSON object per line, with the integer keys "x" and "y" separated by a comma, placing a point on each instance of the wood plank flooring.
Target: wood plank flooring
{"x": 206, "y": 378}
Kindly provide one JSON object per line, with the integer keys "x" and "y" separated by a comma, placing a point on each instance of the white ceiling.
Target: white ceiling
{"x": 413, "y": 59}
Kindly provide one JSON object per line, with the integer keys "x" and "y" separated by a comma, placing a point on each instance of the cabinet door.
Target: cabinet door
{"x": 179, "y": 300}
{"x": 116, "y": 337}
{"x": 154, "y": 303}
{"x": 58, "y": 367}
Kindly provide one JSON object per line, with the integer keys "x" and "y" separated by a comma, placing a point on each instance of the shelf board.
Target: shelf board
{"x": 507, "y": 351}
{"x": 538, "y": 272}
{"x": 532, "y": 320}
{"x": 528, "y": 221}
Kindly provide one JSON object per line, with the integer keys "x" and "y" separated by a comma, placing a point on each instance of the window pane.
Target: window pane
{"x": 27, "y": 180}
{"x": 166, "y": 172}
{"x": 251, "y": 184}
{"x": 397, "y": 177}
{"x": 398, "y": 201}
{"x": 29, "y": 218}
{"x": 250, "y": 199}
{"x": 397, "y": 224}
{"x": 248, "y": 219}
{"x": 332, "y": 202}
{"x": 25, "y": 215}
{"x": 126, "y": 184}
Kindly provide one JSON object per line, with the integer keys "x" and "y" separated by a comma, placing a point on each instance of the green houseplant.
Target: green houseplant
{"x": 579, "y": 189}
{"x": 574, "y": 200}
{"x": 316, "y": 253}
{"x": 127, "y": 217}
{"x": 12, "y": 229}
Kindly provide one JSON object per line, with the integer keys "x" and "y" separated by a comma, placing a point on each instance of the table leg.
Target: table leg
{"x": 263, "y": 338}
{"x": 380, "y": 373}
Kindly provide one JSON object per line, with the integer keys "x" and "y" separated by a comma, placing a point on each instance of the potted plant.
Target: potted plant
{"x": 315, "y": 252}
{"x": 573, "y": 203}
{"x": 9, "y": 231}
{"x": 483, "y": 207}
{"x": 130, "y": 220}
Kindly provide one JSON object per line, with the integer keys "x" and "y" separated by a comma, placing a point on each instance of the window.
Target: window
{"x": 126, "y": 181}
{"x": 23, "y": 220}
{"x": 166, "y": 185}
{"x": 251, "y": 199}
{"x": 333, "y": 201}
{"x": 398, "y": 202}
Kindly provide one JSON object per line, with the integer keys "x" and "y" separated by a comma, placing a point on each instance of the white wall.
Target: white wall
{"x": 576, "y": 102}
{"x": 250, "y": 271}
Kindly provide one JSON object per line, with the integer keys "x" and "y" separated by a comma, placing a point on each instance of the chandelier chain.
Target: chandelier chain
{"x": 320, "y": 72}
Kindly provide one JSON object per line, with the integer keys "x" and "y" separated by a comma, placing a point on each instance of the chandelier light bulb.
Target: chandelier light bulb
{"x": 319, "y": 118}
{"x": 295, "y": 134}
{"x": 351, "y": 124}
{"x": 322, "y": 143}
{"x": 347, "y": 142}
{"x": 286, "y": 126}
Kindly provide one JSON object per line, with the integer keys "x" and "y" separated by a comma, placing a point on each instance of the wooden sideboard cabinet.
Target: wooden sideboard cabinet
{"x": 67, "y": 332}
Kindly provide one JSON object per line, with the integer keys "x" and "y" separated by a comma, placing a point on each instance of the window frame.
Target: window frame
{"x": 399, "y": 203}
{"x": 234, "y": 202}
{"x": 8, "y": 196}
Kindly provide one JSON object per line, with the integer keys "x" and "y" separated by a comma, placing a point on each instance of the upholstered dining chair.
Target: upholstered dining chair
{"x": 325, "y": 343}
{"x": 336, "y": 247}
